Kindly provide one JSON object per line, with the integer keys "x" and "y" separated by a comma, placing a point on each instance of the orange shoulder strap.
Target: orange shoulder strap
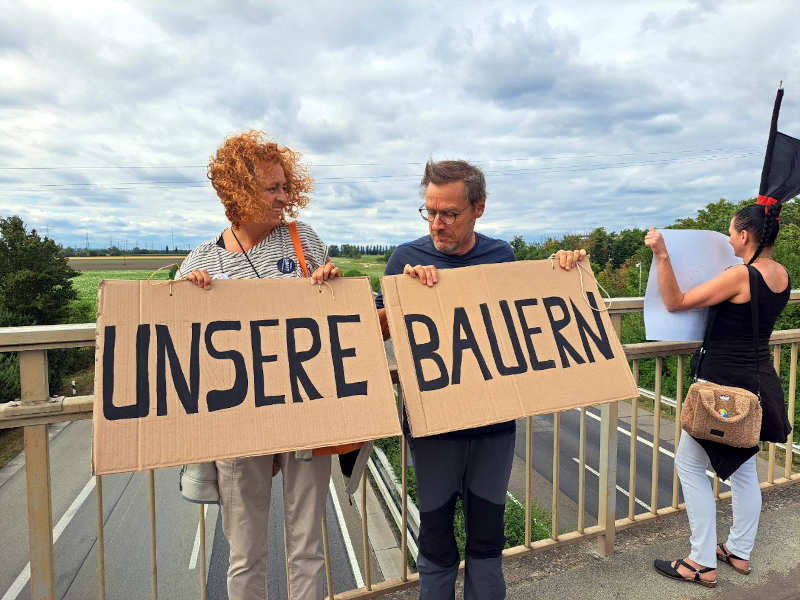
{"x": 298, "y": 247}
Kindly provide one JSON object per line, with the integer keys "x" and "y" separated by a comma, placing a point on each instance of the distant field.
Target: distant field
{"x": 369, "y": 265}
{"x": 90, "y": 277}
{"x": 113, "y": 263}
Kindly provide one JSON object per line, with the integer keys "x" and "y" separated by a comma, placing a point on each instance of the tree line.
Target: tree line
{"x": 36, "y": 286}
{"x": 355, "y": 251}
{"x": 618, "y": 258}
{"x": 117, "y": 251}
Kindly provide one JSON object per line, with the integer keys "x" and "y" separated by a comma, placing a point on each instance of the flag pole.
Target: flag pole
{"x": 773, "y": 128}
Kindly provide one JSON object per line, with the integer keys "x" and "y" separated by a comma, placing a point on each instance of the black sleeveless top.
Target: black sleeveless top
{"x": 731, "y": 360}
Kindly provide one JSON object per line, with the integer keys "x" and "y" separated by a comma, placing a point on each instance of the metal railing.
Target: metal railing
{"x": 36, "y": 409}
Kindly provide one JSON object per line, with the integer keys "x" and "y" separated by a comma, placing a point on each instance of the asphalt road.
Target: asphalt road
{"x": 569, "y": 444}
{"x": 127, "y": 533}
{"x": 127, "y": 523}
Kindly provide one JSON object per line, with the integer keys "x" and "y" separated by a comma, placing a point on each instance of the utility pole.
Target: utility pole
{"x": 639, "y": 264}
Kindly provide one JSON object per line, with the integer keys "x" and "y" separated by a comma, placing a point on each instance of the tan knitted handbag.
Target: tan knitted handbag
{"x": 726, "y": 414}
{"x": 706, "y": 403}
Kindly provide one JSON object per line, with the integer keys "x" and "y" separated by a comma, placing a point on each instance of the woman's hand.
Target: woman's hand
{"x": 568, "y": 259}
{"x": 200, "y": 278}
{"x": 655, "y": 241}
{"x": 325, "y": 272}
{"x": 427, "y": 274}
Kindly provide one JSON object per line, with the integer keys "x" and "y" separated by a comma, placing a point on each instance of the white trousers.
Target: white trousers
{"x": 692, "y": 462}
{"x": 245, "y": 486}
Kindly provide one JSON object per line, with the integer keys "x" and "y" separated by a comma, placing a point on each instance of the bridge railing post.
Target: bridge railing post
{"x": 607, "y": 491}
{"x": 34, "y": 390}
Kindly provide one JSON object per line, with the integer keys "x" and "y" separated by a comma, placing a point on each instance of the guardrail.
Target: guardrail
{"x": 36, "y": 409}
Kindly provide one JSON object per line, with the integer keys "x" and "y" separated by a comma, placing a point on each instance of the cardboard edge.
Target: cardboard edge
{"x": 170, "y": 464}
{"x": 96, "y": 407}
{"x": 534, "y": 414}
{"x": 389, "y": 284}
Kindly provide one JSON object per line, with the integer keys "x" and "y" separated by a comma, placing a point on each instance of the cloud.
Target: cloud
{"x": 582, "y": 114}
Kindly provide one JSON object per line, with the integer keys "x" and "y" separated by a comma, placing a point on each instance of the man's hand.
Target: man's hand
{"x": 325, "y": 272}
{"x": 427, "y": 274}
{"x": 200, "y": 278}
{"x": 567, "y": 259}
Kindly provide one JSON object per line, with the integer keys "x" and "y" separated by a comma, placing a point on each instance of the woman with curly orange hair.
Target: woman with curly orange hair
{"x": 261, "y": 184}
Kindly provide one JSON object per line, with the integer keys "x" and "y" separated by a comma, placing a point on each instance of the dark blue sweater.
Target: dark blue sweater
{"x": 422, "y": 252}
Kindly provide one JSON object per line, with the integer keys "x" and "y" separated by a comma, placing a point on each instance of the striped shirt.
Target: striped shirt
{"x": 268, "y": 256}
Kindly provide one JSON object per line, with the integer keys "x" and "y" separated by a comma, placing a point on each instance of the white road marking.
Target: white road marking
{"x": 513, "y": 499}
{"x": 650, "y": 444}
{"x": 619, "y": 488}
{"x": 351, "y": 553}
{"x": 196, "y": 547}
{"x": 22, "y": 579}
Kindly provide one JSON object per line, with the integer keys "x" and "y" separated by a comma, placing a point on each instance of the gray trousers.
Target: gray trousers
{"x": 245, "y": 486}
{"x": 478, "y": 470}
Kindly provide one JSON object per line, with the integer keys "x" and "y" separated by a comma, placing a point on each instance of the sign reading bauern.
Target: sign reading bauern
{"x": 247, "y": 367}
{"x": 493, "y": 343}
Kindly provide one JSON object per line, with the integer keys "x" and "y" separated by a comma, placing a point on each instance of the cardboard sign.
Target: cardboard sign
{"x": 248, "y": 367}
{"x": 493, "y": 343}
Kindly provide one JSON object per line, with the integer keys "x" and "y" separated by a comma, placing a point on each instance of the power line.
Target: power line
{"x": 412, "y": 163}
{"x": 167, "y": 184}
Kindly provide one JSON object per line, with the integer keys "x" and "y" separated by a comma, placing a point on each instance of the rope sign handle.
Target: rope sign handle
{"x": 168, "y": 282}
{"x": 581, "y": 268}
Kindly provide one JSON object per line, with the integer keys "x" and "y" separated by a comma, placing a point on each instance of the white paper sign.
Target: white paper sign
{"x": 696, "y": 257}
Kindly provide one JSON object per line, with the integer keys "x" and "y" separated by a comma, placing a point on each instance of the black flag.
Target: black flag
{"x": 780, "y": 177}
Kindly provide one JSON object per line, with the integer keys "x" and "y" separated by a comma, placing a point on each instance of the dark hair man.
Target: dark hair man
{"x": 475, "y": 463}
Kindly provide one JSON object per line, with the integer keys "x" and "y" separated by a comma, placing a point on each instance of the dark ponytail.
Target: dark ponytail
{"x": 761, "y": 222}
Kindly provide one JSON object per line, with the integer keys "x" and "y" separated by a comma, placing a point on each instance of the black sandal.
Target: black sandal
{"x": 726, "y": 557}
{"x": 666, "y": 569}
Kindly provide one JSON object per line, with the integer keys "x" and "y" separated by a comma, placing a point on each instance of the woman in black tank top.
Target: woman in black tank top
{"x": 731, "y": 359}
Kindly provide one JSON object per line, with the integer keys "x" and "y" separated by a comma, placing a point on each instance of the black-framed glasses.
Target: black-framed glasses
{"x": 448, "y": 217}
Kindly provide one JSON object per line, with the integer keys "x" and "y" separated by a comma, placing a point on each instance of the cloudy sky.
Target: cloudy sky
{"x": 581, "y": 113}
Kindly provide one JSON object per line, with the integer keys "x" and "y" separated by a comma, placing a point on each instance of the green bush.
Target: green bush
{"x": 35, "y": 286}
{"x": 375, "y": 282}
{"x": 353, "y": 273}
{"x": 35, "y": 289}
{"x": 9, "y": 376}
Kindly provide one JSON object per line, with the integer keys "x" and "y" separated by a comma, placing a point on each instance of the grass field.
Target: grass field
{"x": 369, "y": 265}
{"x": 87, "y": 282}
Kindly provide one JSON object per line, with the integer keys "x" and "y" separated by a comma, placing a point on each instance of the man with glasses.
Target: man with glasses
{"x": 474, "y": 463}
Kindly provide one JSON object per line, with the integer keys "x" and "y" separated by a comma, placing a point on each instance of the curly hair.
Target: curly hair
{"x": 761, "y": 222}
{"x": 232, "y": 173}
